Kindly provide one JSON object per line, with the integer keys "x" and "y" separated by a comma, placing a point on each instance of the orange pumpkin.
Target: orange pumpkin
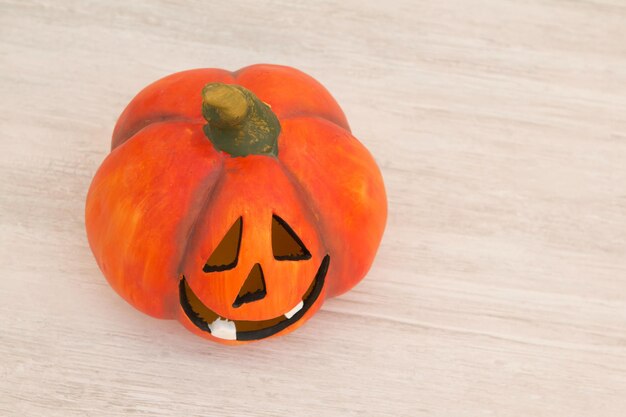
{"x": 235, "y": 202}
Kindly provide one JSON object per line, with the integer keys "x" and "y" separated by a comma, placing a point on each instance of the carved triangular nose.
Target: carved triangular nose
{"x": 253, "y": 288}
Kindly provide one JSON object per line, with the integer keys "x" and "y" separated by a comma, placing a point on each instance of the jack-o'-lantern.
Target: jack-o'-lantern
{"x": 235, "y": 202}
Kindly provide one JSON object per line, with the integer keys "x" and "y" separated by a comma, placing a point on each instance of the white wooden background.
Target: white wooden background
{"x": 500, "y": 285}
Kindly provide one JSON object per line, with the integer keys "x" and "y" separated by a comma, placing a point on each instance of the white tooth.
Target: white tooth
{"x": 294, "y": 310}
{"x": 223, "y": 329}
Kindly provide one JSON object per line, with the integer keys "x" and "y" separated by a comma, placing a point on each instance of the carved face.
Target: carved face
{"x": 286, "y": 246}
{"x": 257, "y": 265}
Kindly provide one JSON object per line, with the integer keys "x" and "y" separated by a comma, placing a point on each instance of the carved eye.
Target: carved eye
{"x": 286, "y": 245}
{"x": 225, "y": 256}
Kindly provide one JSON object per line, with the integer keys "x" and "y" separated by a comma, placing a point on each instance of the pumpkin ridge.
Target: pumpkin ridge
{"x": 316, "y": 143}
{"x": 164, "y": 119}
{"x": 308, "y": 200}
{"x": 171, "y": 95}
{"x": 189, "y": 236}
{"x": 131, "y": 219}
{"x": 253, "y": 77}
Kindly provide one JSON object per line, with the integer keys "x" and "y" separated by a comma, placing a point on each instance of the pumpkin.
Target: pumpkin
{"x": 235, "y": 203}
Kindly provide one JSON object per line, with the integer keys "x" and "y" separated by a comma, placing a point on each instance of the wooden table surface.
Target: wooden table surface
{"x": 500, "y": 285}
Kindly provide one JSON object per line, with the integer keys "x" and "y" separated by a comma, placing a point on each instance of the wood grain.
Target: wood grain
{"x": 500, "y": 286}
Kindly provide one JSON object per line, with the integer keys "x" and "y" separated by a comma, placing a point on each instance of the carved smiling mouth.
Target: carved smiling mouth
{"x": 209, "y": 321}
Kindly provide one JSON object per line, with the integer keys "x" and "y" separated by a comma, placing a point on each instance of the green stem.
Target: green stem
{"x": 238, "y": 122}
